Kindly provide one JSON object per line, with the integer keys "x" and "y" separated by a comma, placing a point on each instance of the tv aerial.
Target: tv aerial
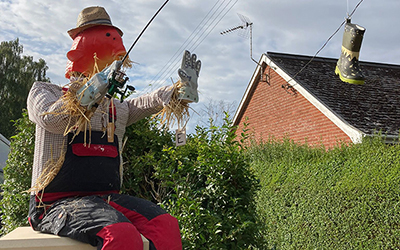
{"x": 245, "y": 30}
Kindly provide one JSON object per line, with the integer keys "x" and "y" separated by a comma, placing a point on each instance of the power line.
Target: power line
{"x": 192, "y": 44}
{"x": 179, "y": 50}
{"x": 215, "y": 25}
{"x": 199, "y": 34}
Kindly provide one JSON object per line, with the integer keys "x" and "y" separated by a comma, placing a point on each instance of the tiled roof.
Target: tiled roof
{"x": 374, "y": 106}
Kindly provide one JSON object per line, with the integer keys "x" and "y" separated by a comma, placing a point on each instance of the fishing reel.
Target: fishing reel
{"x": 116, "y": 83}
{"x": 105, "y": 83}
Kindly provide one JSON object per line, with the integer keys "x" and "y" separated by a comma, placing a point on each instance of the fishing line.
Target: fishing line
{"x": 327, "y": 41}
{"x": 355, "y": 8}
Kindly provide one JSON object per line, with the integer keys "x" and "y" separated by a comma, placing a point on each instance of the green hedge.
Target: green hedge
{"x": 143, "y": 149}
{"x": 211, "y": 191}
{"x": 345, "y": 198}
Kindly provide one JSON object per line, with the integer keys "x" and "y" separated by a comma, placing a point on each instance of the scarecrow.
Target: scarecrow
{"x": 77, "y": 169}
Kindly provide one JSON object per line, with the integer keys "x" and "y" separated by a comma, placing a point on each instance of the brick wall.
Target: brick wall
{"x": 282, "y": 112}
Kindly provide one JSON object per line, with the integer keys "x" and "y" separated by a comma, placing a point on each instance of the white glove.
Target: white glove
{"x": 96, "y": 88}
{"x": 189, "y": 74}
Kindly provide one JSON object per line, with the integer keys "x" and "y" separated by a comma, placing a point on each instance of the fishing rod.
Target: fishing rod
{"x": 144, "y": 29}
{"x": 119, "y": 78}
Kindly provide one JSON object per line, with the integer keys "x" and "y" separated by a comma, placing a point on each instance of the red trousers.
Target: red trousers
{"x": 110, "y": 222}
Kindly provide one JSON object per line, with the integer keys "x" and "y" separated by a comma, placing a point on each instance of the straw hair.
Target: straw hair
{"x": 89, "y": 17}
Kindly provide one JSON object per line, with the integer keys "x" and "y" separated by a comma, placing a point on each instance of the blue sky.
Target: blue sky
{"x": 287, "y": 26}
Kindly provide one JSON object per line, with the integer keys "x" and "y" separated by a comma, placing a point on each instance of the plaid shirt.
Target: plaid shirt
{"x": 50, "y": 142}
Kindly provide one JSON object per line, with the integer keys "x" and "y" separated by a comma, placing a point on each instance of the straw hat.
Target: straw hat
{"x": 89, "y": 17}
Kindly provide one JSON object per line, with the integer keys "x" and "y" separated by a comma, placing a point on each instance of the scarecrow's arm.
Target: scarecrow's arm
{"x": 44, "y": 105}
{"x": 160, "y": 99}
{"x": 148, "y": 104}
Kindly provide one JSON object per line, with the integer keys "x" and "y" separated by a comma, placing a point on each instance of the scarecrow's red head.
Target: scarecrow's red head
{"x": 96, "y": 43}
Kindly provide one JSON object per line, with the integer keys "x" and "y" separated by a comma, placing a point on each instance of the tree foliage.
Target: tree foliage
{"x": 17, "y": 176}
{"x": 17, "y": 74}
{"x": 215, "y": 111}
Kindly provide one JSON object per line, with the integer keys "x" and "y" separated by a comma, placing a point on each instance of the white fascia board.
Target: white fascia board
{"x": 354, "y": 134}
{"x": 249, "y": 87}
